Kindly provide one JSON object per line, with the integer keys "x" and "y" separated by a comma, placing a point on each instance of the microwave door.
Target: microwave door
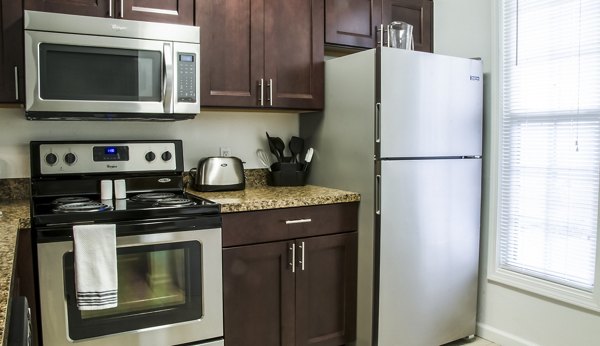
{"x": 79, "y": 73}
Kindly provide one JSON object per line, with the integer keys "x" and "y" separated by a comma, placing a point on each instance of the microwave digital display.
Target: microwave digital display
{"x": 186, "y": 57}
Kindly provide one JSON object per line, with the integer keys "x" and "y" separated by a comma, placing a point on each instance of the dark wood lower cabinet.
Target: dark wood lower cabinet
{"x": 298, "y": 291}
{"x": 258, "y": 290}
{"x": 268, "y": 304}
{"x": 326, "y": 290}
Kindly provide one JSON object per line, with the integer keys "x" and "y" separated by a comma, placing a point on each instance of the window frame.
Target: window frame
{"x": 496, "y": 274}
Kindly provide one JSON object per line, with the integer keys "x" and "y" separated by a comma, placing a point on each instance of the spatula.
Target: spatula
{"x": 296, "y": 147}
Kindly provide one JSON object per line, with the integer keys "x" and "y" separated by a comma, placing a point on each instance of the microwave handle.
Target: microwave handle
{"x": 168, "y": 78}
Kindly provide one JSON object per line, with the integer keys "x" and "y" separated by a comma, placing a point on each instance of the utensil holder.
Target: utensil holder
{"x": 287, "y": 174}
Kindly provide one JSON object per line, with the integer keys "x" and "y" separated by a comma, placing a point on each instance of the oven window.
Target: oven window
{"x": 99, "y": 74}
{"x": 158, "y": 285}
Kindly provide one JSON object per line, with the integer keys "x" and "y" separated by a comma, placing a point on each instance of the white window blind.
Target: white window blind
{"x": 550, "y": 140}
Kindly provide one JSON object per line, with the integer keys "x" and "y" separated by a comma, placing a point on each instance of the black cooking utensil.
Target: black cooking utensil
{"x": 296, "y": 146}
{"x": 273, "y": 148}
{"x": 280, "y": 146}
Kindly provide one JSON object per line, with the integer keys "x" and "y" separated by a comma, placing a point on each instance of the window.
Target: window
{"x": 549, "y": 163}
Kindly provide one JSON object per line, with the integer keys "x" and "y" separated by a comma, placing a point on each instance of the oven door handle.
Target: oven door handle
{"x": 55, "y": 232}
{"x": 168, "y": 78}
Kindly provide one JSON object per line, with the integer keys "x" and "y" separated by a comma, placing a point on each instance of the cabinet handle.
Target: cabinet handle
{"x": 384, "y": 30}
{"x": 261, "y": 85}
{"x": 17, "y": 83}
{"x": 110, "y": 8}
{"x": 122, "y": 1}
{"x": 270, "y": 86}
{"x": 389, "y": 35}
{"x": 292, "y": 261}
{"x": 291, "y": 222}
{"x": 302, "y": 256}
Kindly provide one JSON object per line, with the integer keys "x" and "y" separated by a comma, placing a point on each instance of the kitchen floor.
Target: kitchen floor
{"x": 477, "y": 341}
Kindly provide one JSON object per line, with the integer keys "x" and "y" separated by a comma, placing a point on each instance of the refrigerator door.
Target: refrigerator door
{"x": 431, "y": 105}
{"x": 429, "y": 249}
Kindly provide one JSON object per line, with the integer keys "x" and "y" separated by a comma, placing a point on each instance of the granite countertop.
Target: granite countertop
{"x": 271, "y": 197}
{"x": 15, "y": 215}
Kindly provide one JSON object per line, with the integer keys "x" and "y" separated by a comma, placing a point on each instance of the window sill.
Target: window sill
{"x": 571, "y": 296}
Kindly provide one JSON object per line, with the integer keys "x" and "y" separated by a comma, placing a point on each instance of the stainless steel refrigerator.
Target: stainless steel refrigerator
{"x": 404, "y": 129}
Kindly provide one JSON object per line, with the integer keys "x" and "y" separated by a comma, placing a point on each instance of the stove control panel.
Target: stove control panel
{"x": 102, "y": 157}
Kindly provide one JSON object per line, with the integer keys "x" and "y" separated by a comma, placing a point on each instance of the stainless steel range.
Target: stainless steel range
{"x": 168, "y": 244}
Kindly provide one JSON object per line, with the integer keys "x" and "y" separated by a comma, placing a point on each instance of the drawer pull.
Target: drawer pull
{"x": 291, "y": 222}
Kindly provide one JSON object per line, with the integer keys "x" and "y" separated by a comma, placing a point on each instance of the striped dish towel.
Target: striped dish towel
{"x": 95, "y": 249}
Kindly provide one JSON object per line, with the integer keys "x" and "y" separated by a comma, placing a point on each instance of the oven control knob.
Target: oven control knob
{"x": 51, "y": 159}
{"x": 166, "y": 156}
{"x": 150, "y": 156}
{"x": 70, "y": 158}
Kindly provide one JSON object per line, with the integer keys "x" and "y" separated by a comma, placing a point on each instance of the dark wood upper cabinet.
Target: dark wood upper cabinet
{"x": 418, "y": 13}
{"x": 231, "y": 50}
{"x": 12, "y": 73}
{"x": 96, "y": 8}
{"x": 294, "y": 54}
{"x": 163, "y": 11}
{"x": 352, "y": 22}
{"x": 355, "y": 22}
{"x": 261, "y": 53}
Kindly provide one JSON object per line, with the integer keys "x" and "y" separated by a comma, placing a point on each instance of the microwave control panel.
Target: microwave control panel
{"x": 186, "y": 77}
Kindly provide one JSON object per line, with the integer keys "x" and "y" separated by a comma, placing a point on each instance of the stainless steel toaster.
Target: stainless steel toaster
{"x": 219, "y": 174}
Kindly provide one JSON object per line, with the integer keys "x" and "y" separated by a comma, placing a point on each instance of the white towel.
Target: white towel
{"x": 95, "y": 266}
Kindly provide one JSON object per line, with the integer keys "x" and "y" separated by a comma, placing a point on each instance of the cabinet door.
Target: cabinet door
{"x": 294, "y": 53}
{"x": 326, "y": 289}
{"x": 162, "y": 11}
{"x": 258, "y": 293}
{"x": 11, "y": 52}
{"x": 418, "y": 13}
{"x": 97, "y": 8}
{"x": 352, "y": 22}
{"x": 232, "y": 43}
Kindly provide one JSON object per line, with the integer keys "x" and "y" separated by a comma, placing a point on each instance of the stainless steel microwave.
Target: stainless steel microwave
{"x": 89, "y": 68}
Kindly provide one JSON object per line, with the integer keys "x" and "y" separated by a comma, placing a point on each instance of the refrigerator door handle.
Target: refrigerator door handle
{"x": 378, "y": 122}
{"x": 378, "y": 194}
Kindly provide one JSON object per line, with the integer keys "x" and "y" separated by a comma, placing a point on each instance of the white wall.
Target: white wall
{"x": 243, "y": 132}
{"x": 506, "y": 316}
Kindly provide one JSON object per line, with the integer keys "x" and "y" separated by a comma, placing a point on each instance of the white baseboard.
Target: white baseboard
{"x": 501, "y": 337}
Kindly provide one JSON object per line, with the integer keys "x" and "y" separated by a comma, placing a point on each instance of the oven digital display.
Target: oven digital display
{"x": 111, "y": 153}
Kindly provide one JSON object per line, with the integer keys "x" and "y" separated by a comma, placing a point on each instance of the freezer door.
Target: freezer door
{"x": 429, "y": 250}
{"x": 431, "y": 105}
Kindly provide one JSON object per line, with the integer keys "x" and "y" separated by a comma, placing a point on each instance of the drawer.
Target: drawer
{"x": 288, "y": 223}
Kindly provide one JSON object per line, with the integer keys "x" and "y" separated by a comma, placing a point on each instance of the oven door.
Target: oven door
{"x": 169, "y": 290}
